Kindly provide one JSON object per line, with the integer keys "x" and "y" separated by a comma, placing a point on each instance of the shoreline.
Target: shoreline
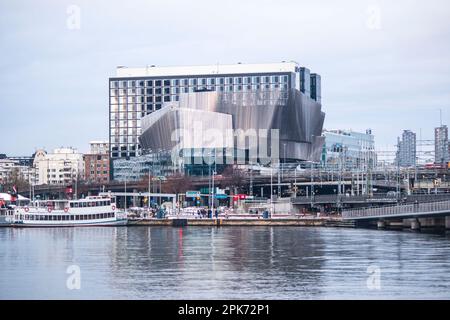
{"x": 289, "y": 221}
{"x": 219, "y": 222}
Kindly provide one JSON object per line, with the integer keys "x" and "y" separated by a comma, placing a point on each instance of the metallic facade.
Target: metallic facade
{"x": 205, "y": 120}
{"x": 136, "y": 92}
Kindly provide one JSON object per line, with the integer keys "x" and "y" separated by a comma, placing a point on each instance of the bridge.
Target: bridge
{"x": 416, "y": 210}
{"x": 404, "y": 212}
{"x": 365, "y": 201}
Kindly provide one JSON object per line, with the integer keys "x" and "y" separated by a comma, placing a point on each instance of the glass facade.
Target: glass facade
{"x": 132, "y": 99}
{"x": 348, "y": 150}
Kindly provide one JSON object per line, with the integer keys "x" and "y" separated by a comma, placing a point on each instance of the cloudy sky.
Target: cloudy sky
{"x": 385, "y": 65}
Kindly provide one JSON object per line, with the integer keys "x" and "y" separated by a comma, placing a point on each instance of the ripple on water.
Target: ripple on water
{"x": 224, "y": 263}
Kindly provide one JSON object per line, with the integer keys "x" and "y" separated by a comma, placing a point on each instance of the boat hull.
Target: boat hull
{"x": 115, "y": 223}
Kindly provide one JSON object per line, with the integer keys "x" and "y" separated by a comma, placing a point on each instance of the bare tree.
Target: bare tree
{"x": 14, "y": 178}
{"x": 177, "y": 184}
{"x": 234, "y": 178}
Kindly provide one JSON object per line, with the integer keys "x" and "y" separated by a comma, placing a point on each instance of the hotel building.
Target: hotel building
{"x": 137, "y": 92}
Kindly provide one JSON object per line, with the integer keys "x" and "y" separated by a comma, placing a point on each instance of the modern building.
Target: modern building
{"x": 349, "y": 150}
{"x": 62, "y": 167}
{"x": 137, "y": 168}
{"x": 136, "y": 92}
{"x": 406, "y": 149}
{"x": 441, "y": 145}
{"x": 96, "y": 163}
{"x": 227, "y": 128}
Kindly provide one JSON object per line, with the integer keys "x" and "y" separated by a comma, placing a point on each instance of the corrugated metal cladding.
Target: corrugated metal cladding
{"x": 207, "y": 118}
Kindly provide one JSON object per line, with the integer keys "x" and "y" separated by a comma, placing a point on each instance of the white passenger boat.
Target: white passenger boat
{"x": 91, "y": 211}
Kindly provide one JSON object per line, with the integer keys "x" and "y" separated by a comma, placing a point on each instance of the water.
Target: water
{"x": 224, "y": 263}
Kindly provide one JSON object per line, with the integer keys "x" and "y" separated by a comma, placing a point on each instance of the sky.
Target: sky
{"x": 385, "y": 65}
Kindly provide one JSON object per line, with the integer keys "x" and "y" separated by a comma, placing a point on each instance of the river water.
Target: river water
{"x": 222, "y": 263}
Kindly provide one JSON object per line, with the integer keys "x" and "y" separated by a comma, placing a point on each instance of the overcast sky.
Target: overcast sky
{"x": 385, "y": 65}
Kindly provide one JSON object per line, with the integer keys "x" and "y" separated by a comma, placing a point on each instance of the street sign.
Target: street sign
{"x": 221, "y": 196}
{"x": 192, "y": 194}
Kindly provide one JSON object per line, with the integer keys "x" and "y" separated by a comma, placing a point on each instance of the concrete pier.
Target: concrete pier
{"x": 313, "y": 222}
{"x": 381, "y": 224}
{"x": 415, "y": 224}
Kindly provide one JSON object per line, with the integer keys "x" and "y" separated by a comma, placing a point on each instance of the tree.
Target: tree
{"x": 234, "y": 178}
{"x": 15, "y": 178}
{"x": 178, "y": 183}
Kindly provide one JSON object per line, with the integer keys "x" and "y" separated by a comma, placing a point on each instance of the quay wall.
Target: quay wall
{"x": 237, "y": 222}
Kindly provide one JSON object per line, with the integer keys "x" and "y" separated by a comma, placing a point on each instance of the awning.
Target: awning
{"x": 7, "y": 197}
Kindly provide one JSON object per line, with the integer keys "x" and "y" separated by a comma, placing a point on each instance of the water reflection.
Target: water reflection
{"x": 222, "y": 263}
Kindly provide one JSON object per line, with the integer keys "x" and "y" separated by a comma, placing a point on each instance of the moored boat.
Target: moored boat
{"x": 91, "y": 211}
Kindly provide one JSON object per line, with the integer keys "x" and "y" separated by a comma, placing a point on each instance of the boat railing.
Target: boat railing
{"x": 6, "y": 212}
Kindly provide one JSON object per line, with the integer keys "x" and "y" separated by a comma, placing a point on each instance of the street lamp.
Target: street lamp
{"x": 284, "y": 160}
{"x": 295, "y": 180}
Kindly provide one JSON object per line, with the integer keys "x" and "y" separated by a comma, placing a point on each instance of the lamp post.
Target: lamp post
{"x": 125, "y": 204}
{"x": 295, "y": 181}
{"x": 160, "y": 191}
{"x": 251, "y": 179}
{"x": 312, "y": 185}
{"x": 284, "y": 161}
{"x": 149, "y": 188}
{"x": 271, "y": 182}
{"x": 398, "y": 181}
{"x": 213, "y": 194}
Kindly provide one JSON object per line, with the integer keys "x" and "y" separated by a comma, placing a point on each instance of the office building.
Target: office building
{"x": 349, "y": 150}
{"x": 136, "y": 92}
{"x": 441, "y": 145}
{"x": 406, "y": 149}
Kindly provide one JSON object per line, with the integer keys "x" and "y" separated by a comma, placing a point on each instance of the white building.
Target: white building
{"x": 99, "y": 147}
{"x": 9, "y": 167}
{"x": 6, "y": 167}
{"x": 63, "y": 166}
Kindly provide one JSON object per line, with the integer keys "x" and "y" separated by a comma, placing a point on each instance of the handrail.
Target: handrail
{"x": 397, "y": 209}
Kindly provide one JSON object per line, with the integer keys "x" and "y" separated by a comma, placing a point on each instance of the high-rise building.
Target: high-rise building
{"x": 441, "y": 149}
{"x": 136, "y": 92}
{"x": 406, "y": 149}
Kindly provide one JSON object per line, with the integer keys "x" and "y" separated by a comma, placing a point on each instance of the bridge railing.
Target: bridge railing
{"x": 398, "y": 209}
